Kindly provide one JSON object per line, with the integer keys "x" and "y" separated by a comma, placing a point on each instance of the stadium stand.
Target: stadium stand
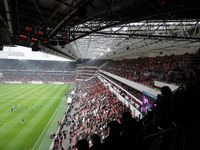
{"x": 95, "y": 106}
{"x": 87, "y": 68}
{"x": 100, "y": 101}
{"x": 27, "y": 71}
{"x": 94, "y": 110}
{"x": 146, "y": 70}
{"x": 85, "y": 72}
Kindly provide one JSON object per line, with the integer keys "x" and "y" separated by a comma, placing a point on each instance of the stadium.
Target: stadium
{"x": 99, "y": 74}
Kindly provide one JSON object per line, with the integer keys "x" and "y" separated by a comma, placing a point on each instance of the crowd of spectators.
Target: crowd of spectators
{"x": 95, "y": 107}
{"x": 35, "y": 70}
{"x": 99, "y": 117}
{"x": 44, "y": 77}
{"x": 146, "y": 70}
{"x": 37, "y": 65}
{"x": 100, "y": 121}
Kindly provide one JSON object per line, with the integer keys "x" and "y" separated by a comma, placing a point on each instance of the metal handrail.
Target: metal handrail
{"x": 159, "y": 133}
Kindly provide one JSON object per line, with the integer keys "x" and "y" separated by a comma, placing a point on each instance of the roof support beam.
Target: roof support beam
{"x": 37, "y": 8}
{"x": 8, "y": 16}
{"x": 63, "y": 3}
{"x": 15, "y": 16}
{"x": 55, "y": 11}
{"x": 103, "y": 33}
{"x": 167, "y": 37}
{"x": 55, "y": 30}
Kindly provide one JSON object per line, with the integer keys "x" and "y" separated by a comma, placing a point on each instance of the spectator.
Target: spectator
{"x": 164, "y": 119}
{"x": 131, "y": 132}
{"x": 96, "y": 142}
{"x": 113, "y": 141}
{"x": 164, "y": 108}
{"x": 82, "y": 144}
{"x": 186, "y": 117}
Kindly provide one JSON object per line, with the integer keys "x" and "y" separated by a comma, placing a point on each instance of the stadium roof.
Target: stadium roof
{"x": 101, "y": 28}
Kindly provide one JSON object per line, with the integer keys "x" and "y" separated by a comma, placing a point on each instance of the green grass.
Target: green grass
{"x": 40, "y": 106}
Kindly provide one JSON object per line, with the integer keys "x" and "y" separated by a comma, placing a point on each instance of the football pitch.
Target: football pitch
{"x": 29, "y": 113}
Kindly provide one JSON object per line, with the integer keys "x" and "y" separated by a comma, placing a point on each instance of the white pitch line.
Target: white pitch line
{"x": 45, "y": 127}
{"x": 38, "y": 97}
{"x": 5, "y": 124}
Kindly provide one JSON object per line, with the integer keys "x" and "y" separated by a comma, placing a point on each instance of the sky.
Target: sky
{"x": 24, "y": 53}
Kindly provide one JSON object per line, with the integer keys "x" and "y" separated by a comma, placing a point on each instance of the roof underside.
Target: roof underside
{"x": 101, "y": 28}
